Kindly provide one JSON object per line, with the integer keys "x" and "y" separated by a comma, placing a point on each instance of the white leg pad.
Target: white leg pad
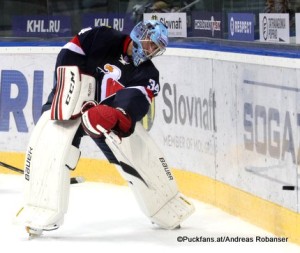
{"x": 174, "y": 212}
{"x": 146, "y": 170}
{"x": 50, "y": 156}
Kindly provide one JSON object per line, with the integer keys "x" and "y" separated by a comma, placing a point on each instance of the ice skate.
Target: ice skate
{"x": 33, "y": 232}
{"x": 37, "y": 232}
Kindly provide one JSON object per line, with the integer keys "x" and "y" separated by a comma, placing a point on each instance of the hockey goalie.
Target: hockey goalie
{"x": 105, "y": 83}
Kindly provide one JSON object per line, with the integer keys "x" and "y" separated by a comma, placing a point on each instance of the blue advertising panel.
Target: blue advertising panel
{"x": 241, "y": 26}
{"x": 41, "y": 26}
{"x": 207, "y": 24}
{"x": 120, "y": 22}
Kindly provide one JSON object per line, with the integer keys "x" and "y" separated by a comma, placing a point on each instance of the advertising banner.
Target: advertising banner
{"x": 185, "y": 113}
{"x": 241, "y": 26}
{"x": 122, "y": 23}
{"x": 219, "y": 116}
{"x": 297, "y": 16}
{"x": 207, "y": 24}
{"x": 274, "y": 27}
{"x": 41, "y": 26}
{"x": 176, "y": 22}
{"x": 26, "y": 81}
{"x": 257, "y": 142}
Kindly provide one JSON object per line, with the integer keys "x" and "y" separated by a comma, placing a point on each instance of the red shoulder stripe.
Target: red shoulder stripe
{"x": 76, "y": 41}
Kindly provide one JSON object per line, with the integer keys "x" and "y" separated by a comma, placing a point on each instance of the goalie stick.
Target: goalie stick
{"x": 5, "y": 165}
{"x": 73, "y": 180}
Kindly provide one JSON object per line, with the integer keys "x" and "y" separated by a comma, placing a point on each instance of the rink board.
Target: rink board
{"x": 227, "y": 122}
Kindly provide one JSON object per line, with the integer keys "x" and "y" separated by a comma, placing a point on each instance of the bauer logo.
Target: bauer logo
{"x": 166, "y": 168}
{"x": 45, "y": 26}
{"x": 28, "y": 163}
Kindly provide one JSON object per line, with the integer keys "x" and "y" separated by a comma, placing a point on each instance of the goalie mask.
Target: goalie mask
{"x": 150, "y": 39}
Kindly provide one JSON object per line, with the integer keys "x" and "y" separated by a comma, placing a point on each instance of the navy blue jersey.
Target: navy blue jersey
{"x": 101, "y": 52}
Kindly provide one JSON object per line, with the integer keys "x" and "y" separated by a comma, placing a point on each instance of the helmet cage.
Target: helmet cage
{"x": 149, "y": 40}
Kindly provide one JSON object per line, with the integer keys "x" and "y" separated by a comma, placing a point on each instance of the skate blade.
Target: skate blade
{"x": 175, "y": 228}
{"x": 33, "y": 232}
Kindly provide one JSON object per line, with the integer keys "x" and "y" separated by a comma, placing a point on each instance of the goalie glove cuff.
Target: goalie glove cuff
{"x": 124, "y": 126}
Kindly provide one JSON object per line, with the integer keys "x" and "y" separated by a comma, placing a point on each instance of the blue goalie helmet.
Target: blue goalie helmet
{"x": 150, "y": 39}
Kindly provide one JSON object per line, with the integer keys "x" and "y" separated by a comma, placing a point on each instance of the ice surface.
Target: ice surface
{"x": 106, "y": 218}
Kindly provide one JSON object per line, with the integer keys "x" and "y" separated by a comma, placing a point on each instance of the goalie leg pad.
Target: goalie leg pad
{"x": 173, "y": 212}
{"x": 50, "y": 156}
{"x": 143, "y": 165}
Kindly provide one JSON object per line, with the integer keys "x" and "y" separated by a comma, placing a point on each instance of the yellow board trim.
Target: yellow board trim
{"x": 276, "y": 219}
